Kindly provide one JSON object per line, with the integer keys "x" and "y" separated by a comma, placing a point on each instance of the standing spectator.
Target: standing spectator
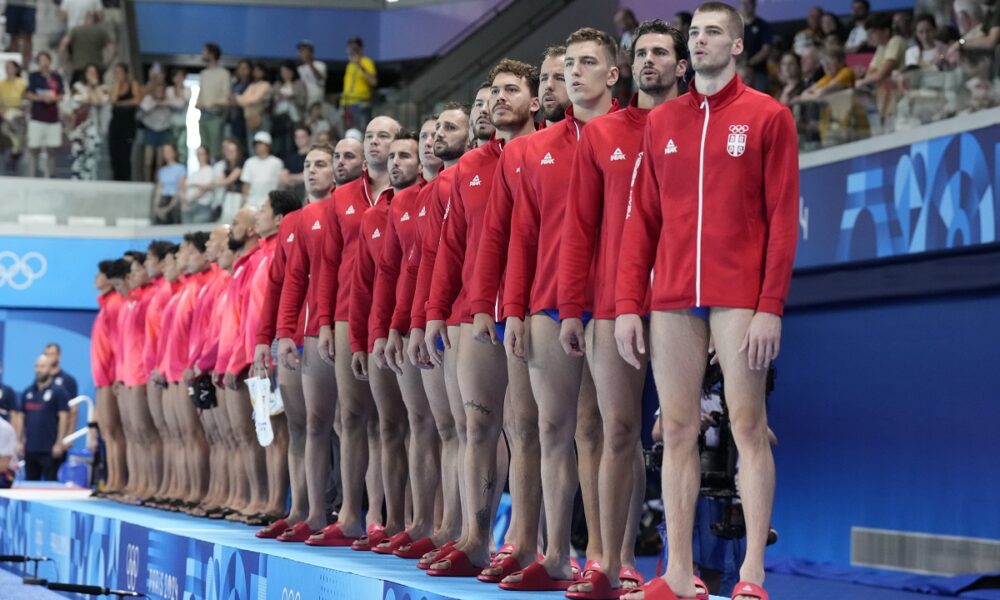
{"x": 87, "y": 44}
{"x": 227, "y": 178}
{"x": 790, "y": 77}
{"x": 757, "y": 40}
{"x": 260, "y": 172}
{"x": 255, "y": 101}
{"x": 8, "y": 401}
{"x": 199, "y": 205}
{"x": 45, "y": 90}
{"x": 317, "y": 123}
{"x": 293, "y": 175}
{"x": 155, "y": 114}
{"x": 924, "y": 53}
{"x": 312, "y": 72}
{"x": 857, "y": 38}
{"x": 169, "y": 187}
{"x": 89, "y": 98}
{"x": 126, "y": 93}
{"x": 213, "y": 99}
{"x": 75, "y": 11}
{"x": 360, "y": 80}
{"x": 12, "y": 113}
{"x": 237, "y": 124}
{"x": 8, "y": 454}
{"x": 178, "y": 99}
{"x": 20, "y": 18}
{"x": 42, "y": 421}
{"x": 290, "y": 100}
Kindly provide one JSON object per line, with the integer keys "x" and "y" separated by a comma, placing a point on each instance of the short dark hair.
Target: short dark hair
{"x": 867, "y": 4}
{"x": 601, "y": 38}
{"x": 356, "y": 41}
{"x": 136, "y": 256}
{"x": 287, "y": 64}
{"x": 925, "y": 17}
{"x": 105, "y": 267}
{"x": 660, "y": 26}
{"x": 159, "y": 248}
{"x": 198, "y": 239}
{"x": 736, "y": 24}
{"x": 119, "y": 268}
{"x": 54, "y": 345}
{"x": 213, "y": 49}
{"x": 407, "y": 134}
{"x": 304, "y": 128}
{"x": 484, "y": 85}
{"x": 529, "y": 73}
{"x": 17, "y": 67}
{"x": 453, "y": 105}
{"x": 430, "y": 117}
{"x": 880, "y": 21}
{"x": 283, "y": 202}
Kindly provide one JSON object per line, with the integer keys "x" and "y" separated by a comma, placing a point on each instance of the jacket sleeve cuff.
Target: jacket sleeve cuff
{"x": 381, "y": 332}
{"x": 570, "y": 311}
{"x": 513, "y": 310}
{"x": 481, "y": 306}
{"x": 418, "y": 323}
{"x": 771, "y": 305}
{"x": 262, "y": 339}
{"x": 436, "y": 314}
{"x": 628, "y": 307}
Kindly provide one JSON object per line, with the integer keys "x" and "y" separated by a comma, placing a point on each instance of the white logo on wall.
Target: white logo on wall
{"x": 131, "y": 566}
{"x": 19, "y": 272}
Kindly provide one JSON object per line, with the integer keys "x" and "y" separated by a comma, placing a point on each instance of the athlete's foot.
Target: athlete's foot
{"x": 750, "y": 575}
{"x": 688, "y": 590}
{"x": 555, "y": 570}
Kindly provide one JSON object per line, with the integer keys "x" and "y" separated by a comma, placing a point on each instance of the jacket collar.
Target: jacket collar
{"x": 730, "y": 92}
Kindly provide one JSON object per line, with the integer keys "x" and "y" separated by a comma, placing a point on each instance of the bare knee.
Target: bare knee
{"x": 749, "y": 430}
{"x": 589, "y": 428}
{"x": 620, "y": 434}
{"x": 481, "y": 429}
{"x": 392, "y": 430}
{"x": 317, "y": 427}
{"x": 555, "y": 430}
{"x": 678, "y": 433}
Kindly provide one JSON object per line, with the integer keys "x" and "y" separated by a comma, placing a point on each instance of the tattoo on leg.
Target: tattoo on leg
{"x": 481, "y": 408}
{"x": 483, "y": 519}
{"x": 489, "y": 482}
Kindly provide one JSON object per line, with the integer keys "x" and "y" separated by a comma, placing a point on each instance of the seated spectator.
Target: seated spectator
{"x": 292, "y": 176}
{"x": 178, "y": 99}
{"x": 199, "y": 204}
{"x": 326, "y": 137}
{"x": 790, "y": 78}
{"x": 836, "y": 76}
{"x": 155, "y": 115}
{"x": 890, "y": 51}
{"x": 260, "y": 172}
{"x": 87, "y": 44}
{"x": 45, "y": 90}
{"x": 317, "y": 123}
{"x": 813, "y": 32}
{"x": 360, "y": 80}
{"x": 42, "y": 422}
{"x": 85, "y": 138}
{"x": 170, "y": 186}
{"x": 812, "y": 71}
{"x": 979, "y": 32}
{"x": 902, "y": 25}
{"x": 12, "y": 122}
{"x": 126, "y": 93}
{"x": 923, "y": 54}
{"x": 857, "y": 37}
{"x": 227, "y": 178}
{"x": 290, "y": 99}
{"x": 255, "y": 101}
{"x": 829, "y": 25}
{"x": 682, "y": 21}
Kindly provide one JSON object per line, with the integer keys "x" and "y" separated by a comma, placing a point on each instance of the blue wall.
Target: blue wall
{"x": 887, "y": 416}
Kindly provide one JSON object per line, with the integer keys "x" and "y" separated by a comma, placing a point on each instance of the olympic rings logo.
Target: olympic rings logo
{"x": 739, "y": 128}
{"x": 131, "y": 566}
{"x": 19, "y": 272}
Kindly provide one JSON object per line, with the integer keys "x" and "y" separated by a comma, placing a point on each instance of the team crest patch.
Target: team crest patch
{"x": 737, "y": 143}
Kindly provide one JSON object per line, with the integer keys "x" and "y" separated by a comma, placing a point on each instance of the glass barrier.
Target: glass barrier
{"x": 29, "y": 201}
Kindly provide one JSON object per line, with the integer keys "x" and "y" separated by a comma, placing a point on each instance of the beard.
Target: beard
{"x": 555, "y": 114}
{"x": 236, "y": 245}
{"x": 449, "y": 153}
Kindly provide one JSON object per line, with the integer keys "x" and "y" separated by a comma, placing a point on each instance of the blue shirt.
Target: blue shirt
{"x": 66, "y": 382}
{"x": 8, "y": 402}
{"x": 42, "y": 85}
{"x": 169, "y": 176}
{"x": 41, "y": 408}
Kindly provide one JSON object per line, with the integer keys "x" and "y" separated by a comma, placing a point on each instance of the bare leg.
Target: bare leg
{"x": 290, "y": 380}
{"x": 744, "y": 391}
{"x": 319, "y": 389}
{"x": 374, "y": 484}
{"x": 679, "y": 352}
{"x": 114, "y": 440}
{"x": 482, "y": 387}
{"x": 124, "y": 401}
{"x": 195, "y": 446}
{"x": 458, "y": 414}
{"x": 149, "y": 441}
{"x": 356, "y": 407}
{"x": 392, "y": 429}
{"x": 154, "y": 396}
{"x": 424, "y": 452}
{"x": 555, "y": 380}
{"x": 277, "y": 467}
{"x": 238, "y": 411}
{"x": 589, "y": 438}
{"x": 451, "y": 503}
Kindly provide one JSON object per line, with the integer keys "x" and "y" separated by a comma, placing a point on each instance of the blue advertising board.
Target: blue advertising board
{"x": 938, "y": 194}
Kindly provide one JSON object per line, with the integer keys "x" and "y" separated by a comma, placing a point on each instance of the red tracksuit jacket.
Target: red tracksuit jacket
{"x": 714, "y": 208}
{"x": 462, "y": 230}
{"x": 491, "y": 256}
{"x": 537, "y": 224}
{"x": 102, "y": 346}
{"x": 398, "y": 238}
{"x": 299, "y": 292}
{"x": 430, "y": 219}
{"x": 132, "y": 325}
{"x": 595, "y": 212}
{"x": 154, "y": 323}
{"x": 367, "y": 250}
{"x": 203, "y": 356}
{"x": 268, "y": 329}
